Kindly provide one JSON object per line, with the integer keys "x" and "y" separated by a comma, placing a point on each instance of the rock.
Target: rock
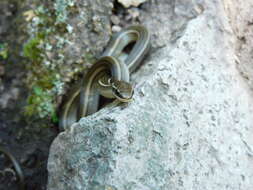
{"x": 128, "y": 3}
{"x": 62, "y": 46}
{"x": 116, "y": 28}
{"x": 6, "y": 97}
{"x": 5, "y": 12}
{"x": 115, "y": 20}
{"x": 241, "y": 23}
{"x": 190, "y": 124}
{"x": 15, "y": 93}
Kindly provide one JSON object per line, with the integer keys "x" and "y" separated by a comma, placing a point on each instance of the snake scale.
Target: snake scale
{"x": 108, "y": 77}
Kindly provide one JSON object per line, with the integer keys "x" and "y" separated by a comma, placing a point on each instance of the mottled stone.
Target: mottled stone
{"x": 115, "y": 20}
{"x": 190, "y": 125}
{"x": 5, "y": 13}
{"x": 241, "y": 20}
{"x": 65, "y": 38}
{"x": 6, "y": 97}
{"x": 82, "y": 30}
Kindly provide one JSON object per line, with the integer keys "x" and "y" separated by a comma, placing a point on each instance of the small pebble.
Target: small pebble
{"x": 4, "y": 100}
{"x": 115, "y": 20}
{"x": 15, "y": 93}
{"x": 116, "y": 28}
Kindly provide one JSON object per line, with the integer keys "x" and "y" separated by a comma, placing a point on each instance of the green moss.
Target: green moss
{"x": 89, "y": 57}
{"x": 45, "y": 57}
{"x": 41, "y": 101}
{"x": 4, "y": 51}
{"x": 41, "y": 78}
{"x": 31, "y": 48}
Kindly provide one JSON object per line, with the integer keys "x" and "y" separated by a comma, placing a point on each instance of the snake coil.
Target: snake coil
{"x": 108, "y": 77}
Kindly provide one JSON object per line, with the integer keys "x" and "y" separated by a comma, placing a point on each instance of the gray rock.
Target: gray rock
{"x": 115, "y": 20}
{"x": 6, "y": 97}
{"x": 241, "y": 23}
{"x": 190, "y": 124}
{"x": 116, "y": 28}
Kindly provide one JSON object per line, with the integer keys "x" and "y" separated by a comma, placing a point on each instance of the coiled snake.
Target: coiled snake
{"x": 108, "y": 77}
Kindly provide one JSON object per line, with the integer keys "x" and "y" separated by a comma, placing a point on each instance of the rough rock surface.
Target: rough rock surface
{"x": 241, "y": 21}
{"x": 64, "y": 38}
{"x": 190, "y": 125}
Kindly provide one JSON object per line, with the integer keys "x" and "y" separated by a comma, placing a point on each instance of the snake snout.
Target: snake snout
{"x": 123, "y": 91}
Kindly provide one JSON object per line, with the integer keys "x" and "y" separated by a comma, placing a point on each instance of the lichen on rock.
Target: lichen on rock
{"x": 65, "y": 38}
{"x": 3, "y": 50}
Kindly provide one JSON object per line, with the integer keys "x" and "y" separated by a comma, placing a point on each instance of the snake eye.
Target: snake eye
{"x": 118, "y": 94}
{"x": 123, "y": 91}
{"x": 116, "y": 91}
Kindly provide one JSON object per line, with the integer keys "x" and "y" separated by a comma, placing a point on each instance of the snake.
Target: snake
{"x": 108, "y": 76}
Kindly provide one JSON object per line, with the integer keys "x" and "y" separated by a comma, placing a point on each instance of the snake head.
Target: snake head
{"x": 122, "y": 90}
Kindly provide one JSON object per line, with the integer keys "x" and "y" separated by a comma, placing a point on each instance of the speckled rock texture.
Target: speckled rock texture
{"x": 81, "y": 28}
{"x": 190, "y": 125}
{"x": 65, "y": 36}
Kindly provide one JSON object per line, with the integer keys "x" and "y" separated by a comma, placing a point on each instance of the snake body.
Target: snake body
{"x": 134, "y": 34}
{"x": 108, "y": 77}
